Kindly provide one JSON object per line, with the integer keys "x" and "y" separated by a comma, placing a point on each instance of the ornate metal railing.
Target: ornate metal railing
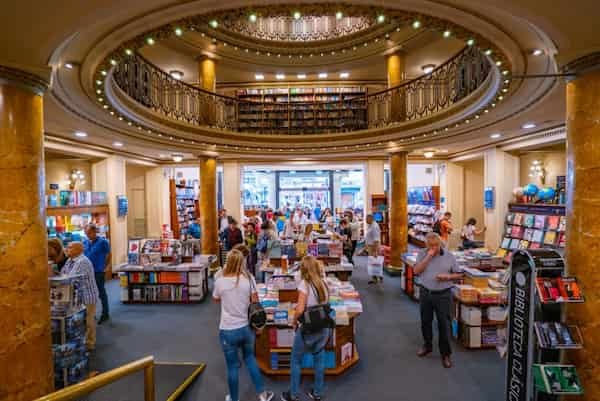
{"x": 415, "y": 99}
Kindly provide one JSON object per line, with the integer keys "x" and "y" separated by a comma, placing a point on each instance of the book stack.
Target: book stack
{"x": 556, "y": 335}
{"x": 557, "y": 379}
{"x": 558, "y": 290}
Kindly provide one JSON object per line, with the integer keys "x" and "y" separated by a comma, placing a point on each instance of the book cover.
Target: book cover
{"x": 528, "y": 234}
{"x": 538, "y": 236}
{"x": 517, "y": 232}
{"x": 346, "y": 353}
{"x": 514, "y": 244}
{"x": 553, "y": 222}
{"x": 529, "y": 220}
{"x": 510, "y": 217}
{"x": 505, "y": 243}
{"x": 518, "y": 220}
{"x": 562, "y": 224}
{"x": 534, "y": 245}
{"x": 540, "y": 222}
{"x": 524, "y": 244}
{"x": 550, "y": 238}
{"x": 569, "y": 289}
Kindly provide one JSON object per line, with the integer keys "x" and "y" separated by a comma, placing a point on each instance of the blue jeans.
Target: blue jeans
{"x": 232, "y": 341}
{"x": 314, "y": 344}
{"x": 102, "y": 292}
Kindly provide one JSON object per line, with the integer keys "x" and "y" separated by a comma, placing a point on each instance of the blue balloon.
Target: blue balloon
{"x": 530, "y": 190}
{"x": 546, "y": 194}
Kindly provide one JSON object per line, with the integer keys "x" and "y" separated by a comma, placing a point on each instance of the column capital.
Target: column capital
{"x": 582, "y": 65}
{"x": 23, "y": 79}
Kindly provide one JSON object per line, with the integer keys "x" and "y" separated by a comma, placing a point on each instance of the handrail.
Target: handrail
{"x": 415, "y": 99}
{"x": 85, "y": 387}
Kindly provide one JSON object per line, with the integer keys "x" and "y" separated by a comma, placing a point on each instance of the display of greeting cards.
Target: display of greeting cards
{"x": 553, "y": 222}
{"x": 514, "y": 244}
{"x": 518, "y": 220}
{"x": 540, "y": 222}
{"x": 538, "y": 236}
{"x": 557, "y": 335}
{"x": 528, "y": 234}
{"x": 517, "y": 232}
{"x": 561, "y": 289}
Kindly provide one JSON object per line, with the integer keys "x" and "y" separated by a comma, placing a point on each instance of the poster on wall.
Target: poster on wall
{"x": 122, "y": 205}
{"x": 489, "y": 198}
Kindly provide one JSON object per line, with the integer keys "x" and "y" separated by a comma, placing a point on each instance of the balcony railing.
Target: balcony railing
{"x": 413, "y": 100}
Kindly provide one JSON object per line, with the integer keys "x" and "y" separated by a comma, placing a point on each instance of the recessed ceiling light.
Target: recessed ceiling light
{"x": 301, "y": 76}
{"x": 177, "y": 157}
{"x": 113, "y": 61}
{"x": 416, "y": 24}
{"x": 128, "y": 52}
{"x": 505, "y": 72}
{"x": 498, "y": 63}
{"x": 537, "y": 52}
{"x": 252, "y": 17}
{"x": 428, "y": 68}
{"x": 429, "y": 154}
{"x": 69, "y": 66}
{"x": 81, "y": 134}
{"x": 118, "y": 144}
{"x": 98, "y": 82}
{"x": 344, "y": 74}
{"x": 214, "y": 23}
{"x": 280, "y": 76}
{"x": 528, "y": 125}
{"x": 470, "y": 42}
{"x": 380, "y": 18}
{"x": 447, "y": 34}
{"x": 495, "y": 136}
{"x": 339, "y": 15}
{"x": 297, "y": 15}
{"x": 150, "y": 41}
{"x": 176, "y": 74}
{"x": 322, "y": 75}
{"x": 259, "y": 77}
{"x": 488, "y": 52}
{"x": 178, "y": 31}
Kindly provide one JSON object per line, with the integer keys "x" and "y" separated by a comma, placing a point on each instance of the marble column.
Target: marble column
{"x": 583, "y": 221}
{"x": 208, "y": 80}
{"x": 25, "y": 345}
{"x": 396, "y": 74}
{"x": 208, "y": 205}
{"x": 398, "y": 207}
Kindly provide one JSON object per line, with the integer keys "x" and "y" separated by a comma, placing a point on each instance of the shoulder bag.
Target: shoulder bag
{"x": 257, "y": 317}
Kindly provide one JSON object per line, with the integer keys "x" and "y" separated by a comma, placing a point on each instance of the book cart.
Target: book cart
{"x": 537, "y": 333}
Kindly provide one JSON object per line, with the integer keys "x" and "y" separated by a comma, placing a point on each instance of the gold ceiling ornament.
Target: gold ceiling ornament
{"x": 209, "y": 24}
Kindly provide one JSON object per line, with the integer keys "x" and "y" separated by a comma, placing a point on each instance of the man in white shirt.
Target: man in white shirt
{"x": 301, "y": 219}
{"x": 223, "y": 220}
{"x": 373, "y": 242}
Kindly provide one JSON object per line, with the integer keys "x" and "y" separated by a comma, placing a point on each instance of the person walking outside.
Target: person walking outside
{"x": 312, "y": 291}
{"x": 97, "y": 250}
{"x": 234, "y": 289}
{"x": 373, "y": 242}
{"x": 79, "y": 264}
{"x": 437, "y": 269}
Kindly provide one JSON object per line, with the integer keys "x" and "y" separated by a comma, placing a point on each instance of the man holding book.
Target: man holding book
{"x": 437, "y": 269}
{"x": 97, "y": 250}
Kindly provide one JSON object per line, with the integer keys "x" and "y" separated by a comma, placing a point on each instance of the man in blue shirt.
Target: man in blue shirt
{"x": 97, "y": 251}
{"x": 195, "y": 229}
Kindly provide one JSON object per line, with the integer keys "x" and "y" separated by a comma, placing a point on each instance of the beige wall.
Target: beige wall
{"x": 58, "y": 171}
{"x": 157, "y": 201}
{"x": 555, "y": 164}
{"x": 136, "y": 195}
{"x": 473, "y": 205}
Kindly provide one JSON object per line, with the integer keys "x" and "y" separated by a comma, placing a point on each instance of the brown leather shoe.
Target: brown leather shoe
{"x": 446, "y": 362}
{"x": 423, "y": 352}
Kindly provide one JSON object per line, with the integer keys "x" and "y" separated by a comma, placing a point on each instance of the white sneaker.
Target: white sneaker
{"x": 266, "y": 396}
{"x": 227, "y": 397}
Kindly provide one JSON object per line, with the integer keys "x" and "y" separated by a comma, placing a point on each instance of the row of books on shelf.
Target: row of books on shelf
{"x": 298, "y": 91}
{"x": 558, "y": 290}
{"x": 537, "y": 241}
{"x": 556, "y": 335}
{"x": 298, "y": 249}
{"x": 540, "y": 222}
{"x": 193, "y": 278}
{"x": 423, "y": 210}
{"x": 185, "y": 193}
{"x": 161, "y": 293}
{"x": 75, "y": 198}
{"x": 421, "y": 196}
{"x": 71, "y": 227}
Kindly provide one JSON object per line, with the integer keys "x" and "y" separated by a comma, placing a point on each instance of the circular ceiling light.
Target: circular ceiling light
{"x": 447, "y": 34}
{"x": 339, "y": 15}
{"x": 252, "y": 17}
{"x": 69, "y": 66}
{"x": 381, "y": 18}
{"x": 416, "y": 24}
{"x": 429, "y": 154}
{"x": 177, "y": 157}
{"x": 118, "y": 144}
{"x": 537, "y": 52}
{"x": 528, "y": 125}
{"x": 214, "y": 23}
{"x": 297, "y": 15}
{"x": 178, "y": 31}
{"x": 81, "y": 134}
{"x": 150, "y": 41}
{"x": 495, "y": 136}
{"x": 428, "y": 68}
{"x": 178, "y": 75}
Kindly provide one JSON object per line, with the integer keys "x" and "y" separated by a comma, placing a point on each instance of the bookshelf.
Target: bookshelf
{"x": 380, "y": 210}
{"x": 302, "y": 110}
{"x": 184, "y": 203}
{"x": 423, "y": 204}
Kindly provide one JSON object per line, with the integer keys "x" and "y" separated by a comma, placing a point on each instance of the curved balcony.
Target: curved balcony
{"x": 436, "y": 93}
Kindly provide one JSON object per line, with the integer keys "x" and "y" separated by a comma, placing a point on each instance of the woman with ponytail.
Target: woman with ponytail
{"x": 234, "y": 289}
{"x": 312, "y": 291}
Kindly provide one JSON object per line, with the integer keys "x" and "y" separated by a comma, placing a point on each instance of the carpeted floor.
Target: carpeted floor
{"x": 388, "y": 336}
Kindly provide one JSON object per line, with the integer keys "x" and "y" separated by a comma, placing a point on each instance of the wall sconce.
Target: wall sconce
{"x": 75, "y": 178}
{"x": 538, "y": 171}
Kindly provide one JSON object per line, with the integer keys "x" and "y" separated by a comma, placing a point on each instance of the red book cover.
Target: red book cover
{"x": 273, "y": 337}
{"x": 553, "y": 222}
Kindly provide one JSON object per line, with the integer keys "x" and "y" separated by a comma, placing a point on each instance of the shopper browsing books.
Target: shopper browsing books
{"x": 373, "y": 242}
{"x": 468, "y": 233}
{"x": 290, "y": 224}
{"x": 437, "y": 269}
{"x": 195, "y": 228}
{"x": 56, "y": 254}
{"x": 250, "y": 239}
{"x": 345, "y": 234}
{"x": 310, "y": 337}
{"x": 232, "y": 235}
{"x": 234, "y": 289}
{"x": 79, "y": 265}
{"x": 309, "y": 235}
{"x": 224, "y": 220}
{"x": 97, "y": 250}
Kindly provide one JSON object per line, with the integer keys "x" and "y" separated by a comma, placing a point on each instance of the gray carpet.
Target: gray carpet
{"x": 388, "y": 336}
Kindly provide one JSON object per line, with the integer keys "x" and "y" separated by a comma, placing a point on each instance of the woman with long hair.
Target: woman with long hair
{"x": 234, "y": 289}
{"x": 312, "y": 291}
{"x": 468, "y": 233}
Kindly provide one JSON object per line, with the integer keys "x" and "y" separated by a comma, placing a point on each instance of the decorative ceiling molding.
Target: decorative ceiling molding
{"x": 23, "y": 79}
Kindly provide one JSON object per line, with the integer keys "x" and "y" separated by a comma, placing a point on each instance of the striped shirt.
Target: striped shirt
{"x": 81, "y": 265}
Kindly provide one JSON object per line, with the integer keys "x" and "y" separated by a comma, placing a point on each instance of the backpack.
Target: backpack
{"x": 437, "y": 227}
{"x": 317, "y": 317}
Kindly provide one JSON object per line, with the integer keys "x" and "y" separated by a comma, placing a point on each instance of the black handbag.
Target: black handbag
{"x": 317, "y": 317}
{"x": 257, "y": 317}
